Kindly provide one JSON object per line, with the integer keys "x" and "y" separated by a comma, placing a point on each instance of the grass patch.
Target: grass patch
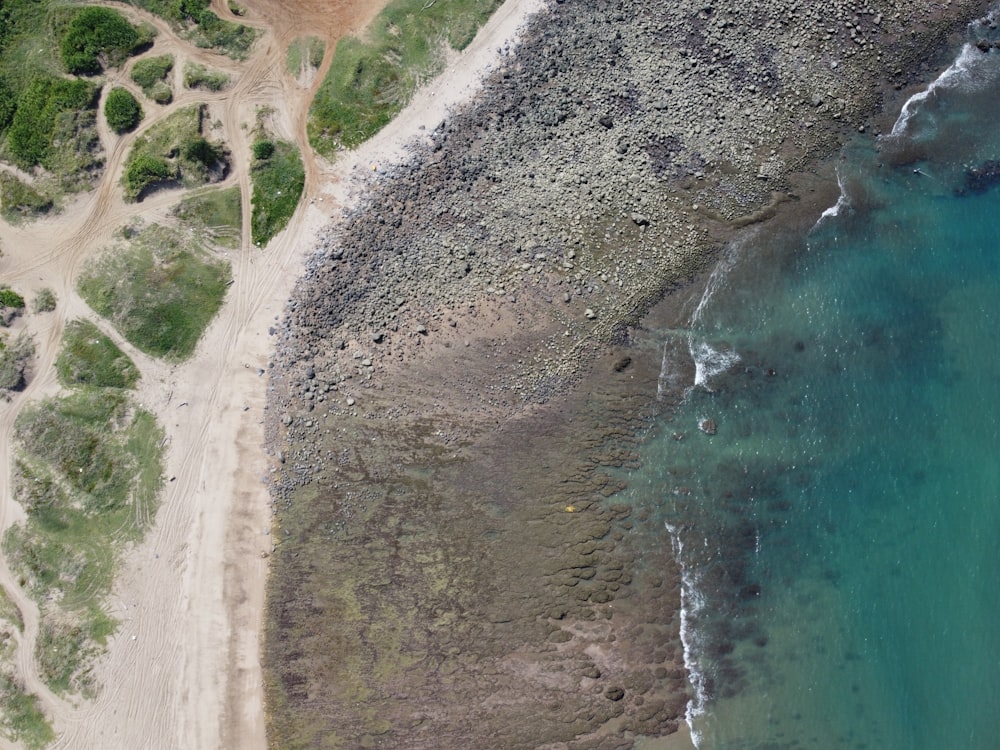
{"x": 23, "y": 720}
{"x": 88, "y": 357}
{"x": 304, "y": 54}
{"x": 174, "y": 151}
{"x": 202, "y": 27}
{"x": 87, "y": 472}
{"x": 19, "y": 200}
{"x": 198, "y": 76}
{"x": 150, "y": 74}
{"x": 160, "y": 291}
{"x": 370, "y": 81}
{"x": 217, "y": 214}
{"x": 278, "y": 181}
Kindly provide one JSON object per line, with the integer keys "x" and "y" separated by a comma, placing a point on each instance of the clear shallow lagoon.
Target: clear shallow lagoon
{"x": 840, "y": 533}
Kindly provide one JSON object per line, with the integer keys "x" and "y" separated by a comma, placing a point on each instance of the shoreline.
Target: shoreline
{"x": 376, "y": 374}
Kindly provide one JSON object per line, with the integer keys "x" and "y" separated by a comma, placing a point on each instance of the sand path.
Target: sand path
{"x": 183, "y": 669}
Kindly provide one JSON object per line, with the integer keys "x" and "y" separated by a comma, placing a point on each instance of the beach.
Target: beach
{"x": 396, "y": 508}
{"x": 464, "y": 373}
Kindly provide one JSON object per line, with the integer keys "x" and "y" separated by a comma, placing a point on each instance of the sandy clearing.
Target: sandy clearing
{"x": 183, "y": 670}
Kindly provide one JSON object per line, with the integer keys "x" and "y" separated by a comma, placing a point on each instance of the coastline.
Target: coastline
{"x": 493, "y": 359}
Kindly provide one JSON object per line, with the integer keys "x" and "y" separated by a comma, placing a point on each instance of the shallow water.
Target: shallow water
{"x": 839, "y": 533}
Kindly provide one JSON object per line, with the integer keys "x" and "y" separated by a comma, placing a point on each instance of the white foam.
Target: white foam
{"x": 692, "y": 604}
{"x": 960, "y": 74}
{"x": 709, "y": 362}
{"x": 842, "y": 201}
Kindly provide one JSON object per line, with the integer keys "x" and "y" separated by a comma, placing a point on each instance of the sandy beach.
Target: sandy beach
{"x": 464, "y": 340}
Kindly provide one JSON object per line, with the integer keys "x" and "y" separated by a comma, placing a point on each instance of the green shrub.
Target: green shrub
{"x": 97, "y": 34}
{"x": 10, "y": 298}
{"x": 263, "y": 149}
{"x": 277, "y": 186}
{"x": 201, "y": 151}
{"x": 8, "y": 104}
{"x": 88, "y": 357}
{"x": 142, "y": 172}
{"x": 121, "y": 110}
{"x": 39, "y": 111}
{"x": 150, "y": 71}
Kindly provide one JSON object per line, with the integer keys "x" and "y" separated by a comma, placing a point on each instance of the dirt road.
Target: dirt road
{"x": 183, "y": 669}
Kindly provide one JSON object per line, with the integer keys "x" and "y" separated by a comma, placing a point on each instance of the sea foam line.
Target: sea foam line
{"x": 842, "y": 201}
{"x": 958, "y": 73}
{"x": 692, "y": 603}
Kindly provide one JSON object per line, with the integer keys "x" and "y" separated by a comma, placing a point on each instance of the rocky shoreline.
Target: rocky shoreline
{"x": 462, "y": 370}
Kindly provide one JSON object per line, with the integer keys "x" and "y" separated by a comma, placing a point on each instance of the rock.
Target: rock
{"x": 607, "y": 121}
{"x": 614, "y": 693}
{"x": 640, "y": 219}
{"x": 589, "y": 314}
{"x": 378, "y": 337}
{"x": 708, "y": 426}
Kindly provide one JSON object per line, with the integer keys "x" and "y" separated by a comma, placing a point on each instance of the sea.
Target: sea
{"x": 830, "y": 480}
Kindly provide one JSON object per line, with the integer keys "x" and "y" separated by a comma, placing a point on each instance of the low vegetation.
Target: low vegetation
{"x": 200, "y": 77}
{"x": 278, "y": 178}
{"x": 305, "y": 54}
{"x": 87, "y": 472}
{"x": 199, "y": 25}
{"x": 371, "y": 80}
{"x": 121, "y": 110}
{"x": 96, "y": 37}
{"x": 174, "y": 150}
{"x": 23, "y": 720}
{"x": 160, "y": 290}
{"x": 45, "y": 301}
{"x": 216, "y": 214}
{"x": 41, "y": 108}
{"x": 15, "y": 356}
{"x": 88, "y": 357}
{"x": 19, "y": 200}
{"x": 150, "y": 74}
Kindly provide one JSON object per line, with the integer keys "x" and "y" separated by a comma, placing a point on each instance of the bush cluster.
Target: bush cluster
{"x": 145, "y": 170}
{"x": 95, "y": 34}
{"x": 38, "y": 108}
{"x": 121, "y": 110}
{"x": 151, "y": 70}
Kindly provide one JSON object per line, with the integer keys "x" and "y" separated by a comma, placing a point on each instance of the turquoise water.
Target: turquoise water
{"x": 840, "y": 533}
